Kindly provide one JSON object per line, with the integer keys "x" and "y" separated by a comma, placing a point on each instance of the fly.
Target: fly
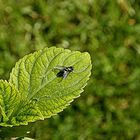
{"x": 64, "y": 71}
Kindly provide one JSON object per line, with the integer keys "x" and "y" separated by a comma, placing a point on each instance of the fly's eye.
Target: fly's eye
{"x": 70, "y": 69}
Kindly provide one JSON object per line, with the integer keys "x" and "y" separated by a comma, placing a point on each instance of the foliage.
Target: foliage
{"x": 9, "y": 100}
{"x": 35, "y": 92}
{"x": 109, "y": 31}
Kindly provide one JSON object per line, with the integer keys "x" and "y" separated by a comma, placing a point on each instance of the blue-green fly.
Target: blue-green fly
{"x": 64, "y": 71}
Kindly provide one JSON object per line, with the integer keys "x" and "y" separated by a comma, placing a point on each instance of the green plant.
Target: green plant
{"x": 34, "y": 92}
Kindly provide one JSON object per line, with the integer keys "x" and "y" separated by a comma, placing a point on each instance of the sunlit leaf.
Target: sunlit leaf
{"x": 36, "y": 79}
{"x": 9, "y": 101}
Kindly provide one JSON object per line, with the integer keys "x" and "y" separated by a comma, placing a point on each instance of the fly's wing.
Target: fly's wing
{"x": 65, "y": 74}
{"x": 59, "y": 68}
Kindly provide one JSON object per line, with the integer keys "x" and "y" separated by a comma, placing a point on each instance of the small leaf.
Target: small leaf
{"x": 9, "y": 100}
{"x": 14, "y": 110}
{"x": 23, "y": 138}
{"x": 26, "y": 138}
{"x": 36, "y": 79}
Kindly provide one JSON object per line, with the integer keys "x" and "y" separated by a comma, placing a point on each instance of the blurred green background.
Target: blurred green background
{"x": 109, "y": 108}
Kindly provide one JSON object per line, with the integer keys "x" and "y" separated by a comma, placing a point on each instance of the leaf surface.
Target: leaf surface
{"x": 9, "y": 100}
{"x": 35, "y": 77}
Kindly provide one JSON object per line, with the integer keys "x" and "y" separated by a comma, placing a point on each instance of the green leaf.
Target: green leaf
{"x": 24, "y": 138}
{"x": 9, "y": 101}
{"x": 14, "y": 110}
{"x": 35, "y": 78}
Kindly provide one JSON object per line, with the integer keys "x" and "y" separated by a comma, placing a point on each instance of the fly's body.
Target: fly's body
{"x": 64, "y": 71}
